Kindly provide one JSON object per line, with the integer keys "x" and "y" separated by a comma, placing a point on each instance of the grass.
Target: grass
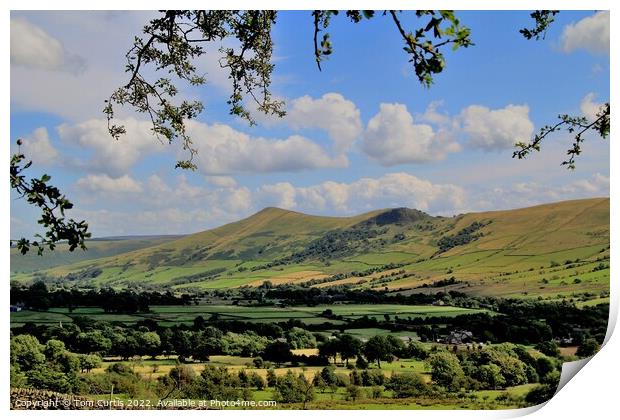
{"x": 169, "y": 315}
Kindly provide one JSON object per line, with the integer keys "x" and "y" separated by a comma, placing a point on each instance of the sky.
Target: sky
{"x": 359, "y": 135}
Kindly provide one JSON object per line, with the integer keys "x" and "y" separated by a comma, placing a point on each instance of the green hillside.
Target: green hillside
{"x": 551, "y": 250}
{"x": 97, "y": 248}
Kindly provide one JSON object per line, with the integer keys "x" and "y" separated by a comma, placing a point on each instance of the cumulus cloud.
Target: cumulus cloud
{"x": 496, "y": 129}
{"x": 159, "y": 205}
{"x": 589, "y": 108}
{"x": 338, "y": 116}
{"x": 38, "y": 148}
{"x": 390, "y": 190}
{"x": 32, "y": 47}
{"x": 393, "y": 138}
{"x": 107, "y": 155}
{"x": 223, "y": 150}
{"x": 590, "y": 34}
{"x": 102, "y": 183}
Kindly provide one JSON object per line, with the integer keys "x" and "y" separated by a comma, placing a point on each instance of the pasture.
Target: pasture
{"x": 169, "y": 315}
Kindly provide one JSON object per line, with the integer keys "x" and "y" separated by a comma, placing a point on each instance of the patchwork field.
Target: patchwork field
{"x": 169, "y": 315}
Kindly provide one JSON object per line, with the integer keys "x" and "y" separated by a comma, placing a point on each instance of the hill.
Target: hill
{"x": 547, "y": 250}
{"x": 97, "y": 248}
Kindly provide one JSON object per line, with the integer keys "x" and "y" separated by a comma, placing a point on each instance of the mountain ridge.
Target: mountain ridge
{"x": 286, "y": 246}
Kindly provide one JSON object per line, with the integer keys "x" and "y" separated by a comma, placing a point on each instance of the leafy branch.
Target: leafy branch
{"x": 173, "y": 42}
{"x": 575, "y": 125}
{"x": 53, "y": 204}
{"x": 542, "y": 19}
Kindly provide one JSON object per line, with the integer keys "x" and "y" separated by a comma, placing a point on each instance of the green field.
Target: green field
{"x": 168, "y": 315}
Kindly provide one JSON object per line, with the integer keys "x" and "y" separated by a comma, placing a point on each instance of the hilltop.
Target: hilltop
{"x": 549, "y": 249}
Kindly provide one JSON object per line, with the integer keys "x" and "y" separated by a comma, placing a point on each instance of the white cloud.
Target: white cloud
{"x": 157, "y": 205}
{"x": 281, "y": 195}
{"x": 393, "y": 138}
{"x": 390, "y": 190}
{"x": 95, "y": 63}
{"x": 338, "y": 116}
{"x": 496, "y": 129}
{"x": 224, "y": 150}
{"x": 590, "y": 34}
{"x": 102, "y": 183}
{"x": 221, "y": 181}
{"x": 107, "y": 155}
{"x": 589, "y": 108}
{"x": 32, "y": 47}
{"x": 38, "y": 148}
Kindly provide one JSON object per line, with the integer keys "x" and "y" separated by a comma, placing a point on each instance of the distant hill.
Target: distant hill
{"x": 97, "y": 248}
{"x": 547, "y": 250}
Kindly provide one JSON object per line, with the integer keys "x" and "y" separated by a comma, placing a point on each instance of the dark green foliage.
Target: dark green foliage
{"x": 53, "y": 204}
{"x": 271, "y": 378}
{"x": 406, "y": 385}
{"x": 542, "y": 19}
{"x": 588, "y": 348}
{"x": 352, "y": 393}
{"x": 291, "y": 388}
{"x": 278, "y": 352}
{"x": 462, "y": 237}
{"x": 49, "y": 367}
{"x": 549, "y": 348}
{"x": 298, "y": 338}
{"x": 399, "y": 216}
{"x": 446, "y": 370}
{"x": 383, "y": 348}
{"x": 216, "y": 383}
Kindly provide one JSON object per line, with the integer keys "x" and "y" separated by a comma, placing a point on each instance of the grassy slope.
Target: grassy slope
{"x": 97, "y": 248}
{"x": 514, "y": 255}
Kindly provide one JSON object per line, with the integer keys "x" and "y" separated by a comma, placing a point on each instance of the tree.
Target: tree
{"x": 174, "y": 40}
{"x": 382, "y": 348}
{"x": 352, "y": 393}
{"x": 406, "y": 385}
{"x": 272, "y": 379}
{"x": 52, "y": 203}
{"x": 89, "y": 362}
{"x": 293, "y": 389}
{"x": 329, "y": 348}
{"x": 491, "y": 376}
{"x": 588, "y": 348}
{"x": 278, "y": 352}
{"x": 216, "y": 383}
{"x": 348, "y": 347}
{"x": 298, "y": 338}
{"x": 149, "y": 343}
{"x": 549, "y": 348}
{"x": 446, "y": 370}
{"x": 26, "y": 352}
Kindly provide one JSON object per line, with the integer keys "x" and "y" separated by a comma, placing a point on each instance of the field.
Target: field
{"x": 333, "y": 399}
{"x": 169, "y": 315}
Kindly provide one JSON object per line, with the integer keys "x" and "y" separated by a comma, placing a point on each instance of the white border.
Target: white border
{"x": 591, "y": 395}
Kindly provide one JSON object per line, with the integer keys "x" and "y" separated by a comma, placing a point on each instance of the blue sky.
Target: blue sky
{"x": 361, "y": 134}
